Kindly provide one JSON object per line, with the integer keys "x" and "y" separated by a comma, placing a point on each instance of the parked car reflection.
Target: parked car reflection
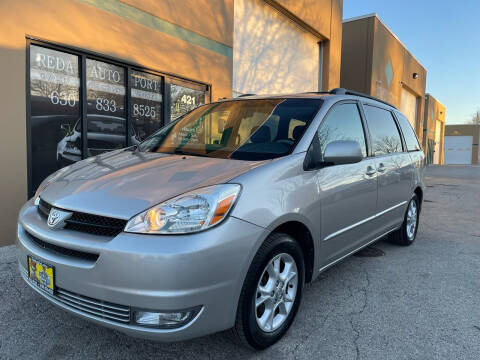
{"x": 104, "y": 133}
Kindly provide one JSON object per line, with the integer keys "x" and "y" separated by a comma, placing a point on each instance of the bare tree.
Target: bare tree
{"x": 475, "y": 119}
{"x": 387, "y": 145}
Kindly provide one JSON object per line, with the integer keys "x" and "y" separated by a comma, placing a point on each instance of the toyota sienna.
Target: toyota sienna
{"x": 218, "y": 220}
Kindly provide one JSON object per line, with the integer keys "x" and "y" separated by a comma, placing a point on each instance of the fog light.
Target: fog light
{"x": 165, "y": 319}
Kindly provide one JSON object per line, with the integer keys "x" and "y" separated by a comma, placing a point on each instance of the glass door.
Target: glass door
{"x": 146, "y": 104}
{"x": 55, "y": 120}
{"x": 106, "y": 115}
{"x": 184, "y": 96}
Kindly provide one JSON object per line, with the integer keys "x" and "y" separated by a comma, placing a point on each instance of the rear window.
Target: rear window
{"x": 411, "y": 139}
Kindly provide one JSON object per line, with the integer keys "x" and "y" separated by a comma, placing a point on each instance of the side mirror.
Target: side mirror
{"x": 342, "y": 152}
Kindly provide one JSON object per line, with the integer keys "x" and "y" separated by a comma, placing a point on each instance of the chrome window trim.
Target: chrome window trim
{"x": 350, "y": 227}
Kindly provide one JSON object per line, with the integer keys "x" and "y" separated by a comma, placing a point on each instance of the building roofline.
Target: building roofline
{"x": 360, "y": 17}
{"x": 463, "y": 124}
{"x": 434, "y": 98}
{"x": 375, "y": 15}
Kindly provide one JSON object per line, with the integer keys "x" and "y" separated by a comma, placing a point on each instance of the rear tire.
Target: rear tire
{"x": 407, "y": 234}
{"x": 273, "y": 286}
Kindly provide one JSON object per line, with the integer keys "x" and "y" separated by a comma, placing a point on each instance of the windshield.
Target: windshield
{"x": 238, "y": 129}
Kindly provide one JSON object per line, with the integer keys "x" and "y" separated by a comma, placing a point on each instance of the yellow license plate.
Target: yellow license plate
{"x": 43, "y": 275}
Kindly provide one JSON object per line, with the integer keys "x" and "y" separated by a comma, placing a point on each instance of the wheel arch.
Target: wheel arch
{"x": 301, "y": 233}
{"x": 419, "y": 192}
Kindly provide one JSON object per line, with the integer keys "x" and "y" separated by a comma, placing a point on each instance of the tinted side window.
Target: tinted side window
{"x": 383, "y": 130}
{"x": 343, "y": 122}
{"x": 408, "y": 133}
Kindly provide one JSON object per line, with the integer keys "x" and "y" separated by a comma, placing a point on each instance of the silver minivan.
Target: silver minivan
{"x": 219, "y": 219}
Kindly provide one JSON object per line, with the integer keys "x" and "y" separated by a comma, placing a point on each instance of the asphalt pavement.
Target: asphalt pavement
{"x": 417, "y": 302}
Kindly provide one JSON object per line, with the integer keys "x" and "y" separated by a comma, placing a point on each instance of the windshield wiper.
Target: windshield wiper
{"x": 182, "y": 152}
{"x": 132, "y": 148}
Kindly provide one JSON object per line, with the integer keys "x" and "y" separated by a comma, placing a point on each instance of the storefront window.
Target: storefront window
{"x": 82, "y": 106}
{"x": 106, "y": 116}
{"x": 184, "y": 99}
{"x": 145, "y": 105}
{"x": 55, "y": 111}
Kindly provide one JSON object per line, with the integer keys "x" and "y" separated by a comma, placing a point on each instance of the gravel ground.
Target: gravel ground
{"x": 420, "y": 302}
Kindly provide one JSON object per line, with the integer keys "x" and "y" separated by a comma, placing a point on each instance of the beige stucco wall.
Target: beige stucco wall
{"x": 315, "y": 13}
{"x": 78, "y": 24}
{"x": 210, "y": 18}
{"x": 357, "y": 51}
{"x": 434, "y": 111}
{"x": 333, "y": 48}
{"x": 386, "y": 47}
{"x": 369, "y": 48}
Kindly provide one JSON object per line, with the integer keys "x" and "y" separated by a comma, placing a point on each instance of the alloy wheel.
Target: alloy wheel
{"x": 276, "y": 292}
{"x": 411, "y": 224}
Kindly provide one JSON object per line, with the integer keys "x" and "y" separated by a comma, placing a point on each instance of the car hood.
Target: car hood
{"x": 123, "y": 183}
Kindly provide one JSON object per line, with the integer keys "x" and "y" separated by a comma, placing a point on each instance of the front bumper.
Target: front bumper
{"x": 163, "y": 273}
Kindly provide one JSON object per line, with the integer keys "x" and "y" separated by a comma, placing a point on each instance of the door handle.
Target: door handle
{"x": 371, "y": 170}
{"x": 381, "y": 168}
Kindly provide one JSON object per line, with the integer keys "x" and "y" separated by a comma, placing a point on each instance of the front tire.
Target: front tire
{"x": 271, "y": 293}
{"x": 406, "y": 235}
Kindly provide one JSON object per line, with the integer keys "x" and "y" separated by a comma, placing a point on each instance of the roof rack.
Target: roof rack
{"x": 317, "y": 92}
{"x": 342, "y": 91}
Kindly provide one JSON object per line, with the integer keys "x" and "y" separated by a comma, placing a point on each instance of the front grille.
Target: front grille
{"x": 59, "y": 250}
{"x": 94, "y": 224}
{"x": 88, "y": 306}
{"x": 94, "y": 307}
{"x": 44, "y": 208}
{"x": 88, "y": 223}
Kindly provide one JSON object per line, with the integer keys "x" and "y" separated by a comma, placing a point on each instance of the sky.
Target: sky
{"x": 444, "y": 36}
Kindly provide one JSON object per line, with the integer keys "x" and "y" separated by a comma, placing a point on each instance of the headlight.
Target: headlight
{"x": 71, "y": 145}
{"x": 190, "y": 212}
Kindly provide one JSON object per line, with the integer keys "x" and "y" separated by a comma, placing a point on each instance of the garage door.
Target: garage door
{"x": 458, "y": 149}
{"x": 271, "y": 53}
{"x": 409, "y": 106}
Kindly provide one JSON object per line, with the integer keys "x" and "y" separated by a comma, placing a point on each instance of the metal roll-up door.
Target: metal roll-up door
{"x": 272, "y": 53}
{"x": 458, "y": 149}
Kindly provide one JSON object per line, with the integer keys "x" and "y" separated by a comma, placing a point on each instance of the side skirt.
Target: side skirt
{"x": 356, "y": 250}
